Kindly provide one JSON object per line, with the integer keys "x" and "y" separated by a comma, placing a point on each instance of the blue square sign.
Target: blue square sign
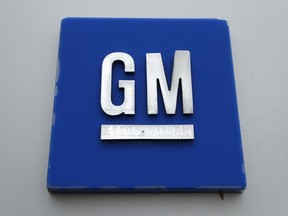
{"x": 145, "y": 105}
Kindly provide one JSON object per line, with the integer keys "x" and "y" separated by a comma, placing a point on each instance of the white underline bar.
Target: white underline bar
{"x": 147, "y": 132}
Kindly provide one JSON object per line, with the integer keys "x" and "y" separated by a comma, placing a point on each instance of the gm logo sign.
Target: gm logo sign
{"x": 155, "y": 74}
{"x": 145, "y": 105}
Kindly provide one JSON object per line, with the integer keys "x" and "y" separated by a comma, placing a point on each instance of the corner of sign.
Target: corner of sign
{"x": 244, "y": 184}
{"x": 50, "y": 188}
{"x": 65, "y": 19}
{"x": 225, "y": 20}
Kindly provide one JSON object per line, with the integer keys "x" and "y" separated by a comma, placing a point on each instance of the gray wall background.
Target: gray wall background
{"x": 29, "y": 33}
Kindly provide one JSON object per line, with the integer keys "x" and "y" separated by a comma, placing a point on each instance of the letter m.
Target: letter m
{"x": 181, "y": 72}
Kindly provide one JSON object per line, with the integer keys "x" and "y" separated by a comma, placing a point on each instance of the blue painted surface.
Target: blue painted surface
{"x": 80, "y": 161}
